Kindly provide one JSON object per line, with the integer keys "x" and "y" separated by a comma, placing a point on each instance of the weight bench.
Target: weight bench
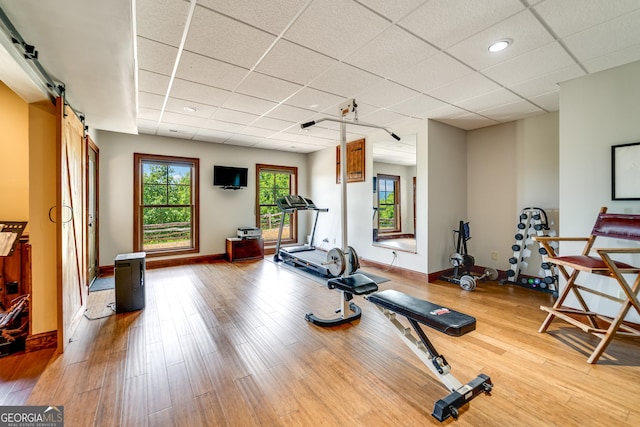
{"x": 623, "y": 227}
{"x": 356, "y": 284}
{"x": 447, "y": 321}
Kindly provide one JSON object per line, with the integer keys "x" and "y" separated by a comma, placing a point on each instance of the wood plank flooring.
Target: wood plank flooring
{"x": 227, "y": 345}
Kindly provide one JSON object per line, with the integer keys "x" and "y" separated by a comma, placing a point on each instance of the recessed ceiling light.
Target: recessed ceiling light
{"x": 190, "y": 109}
{"x": 499, "y": 45}
{"x": 313, "y": 106}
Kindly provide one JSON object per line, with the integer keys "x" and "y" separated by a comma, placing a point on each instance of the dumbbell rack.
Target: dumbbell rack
{"x": 531, "y": 222}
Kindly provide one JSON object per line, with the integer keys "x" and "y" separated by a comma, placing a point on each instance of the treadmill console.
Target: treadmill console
{"x": 294, "y": 202}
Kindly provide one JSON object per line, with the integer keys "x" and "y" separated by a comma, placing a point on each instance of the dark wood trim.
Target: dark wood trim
{"x": 41, "y": 341}
{"x": 294, "y": 190}
{"x": 90, "y": 145}
{"x": 108, "y": 270}
{"x": 407, "y": 274}
{"x": 138, "y": 158}
{"x": 392, "y": 236}
{"x": 355, "y": 168}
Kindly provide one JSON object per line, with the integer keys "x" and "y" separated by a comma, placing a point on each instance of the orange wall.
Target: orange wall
{"x": 42, "y": 196}
{"x": 14, "y": 156}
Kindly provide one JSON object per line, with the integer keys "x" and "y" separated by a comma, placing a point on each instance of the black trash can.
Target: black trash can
{"x": 129, "y": 278}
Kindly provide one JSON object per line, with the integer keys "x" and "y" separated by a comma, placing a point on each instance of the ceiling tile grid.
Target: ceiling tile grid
{"x": 248, "y": 72}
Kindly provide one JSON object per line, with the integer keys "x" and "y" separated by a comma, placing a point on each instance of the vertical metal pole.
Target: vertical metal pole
{"x": 343, "y": 189}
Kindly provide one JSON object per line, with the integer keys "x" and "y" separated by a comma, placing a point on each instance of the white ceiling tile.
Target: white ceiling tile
{"x": 178, "y": 106}
{"x": 615, "y": 59}
{"x": 175, "y": 131}
{"x": 567, "y": 17}
{"x": 249, "y": 104}
{"x": 447, "y": 112}
{"x": 549, "y": 101}
{"x": 335, "y": 28}
{"x": 150, "y": 114}
{"x": 417, "y": 106}
{"x": 208, "y": 135}
{"x": 225, "y": 39}
{"x": 200, "y": 69}
{"x": 287, "y": 112}
{"x": 313, "y": 99}
{"x": 547, "y": 82}
{"x": 544, "y": 60}
{"x": 385, "y": 93}
{"x": 345, "y": 80}
{"x": 433, "y": 72}
{"x": 494, "y": 98}
{"x": 267, "y": 87}
{"x": 295, "y": 63}
{"x": 273, "y": 124}
{"x": 272, "y": 16}
{"x": 259, "y": 132}
{"x": 447, "y": 22}
{"x": 222, "y": 126}
{"x": 392, "y": 9}
{"x": 381, "y": 118}
{"x": 156, "y": 57}
{"x": 170, "y": 117}
{"x": 469, "y": 122}
{"x": 523, "y": 29}
{"x": 234, "y": 116}
{"x": 152, "y": 82}
{"x": 164, "y": 20}
{"x": 242, "y": 140}
{"x": 150, "y": 100}
{"x": 465, "y": 88}
{"x": 391, "y": 52}
{"x": 198, "y": 92}
{"x": 611, "y": 36}
{"x": 507, "y": 112}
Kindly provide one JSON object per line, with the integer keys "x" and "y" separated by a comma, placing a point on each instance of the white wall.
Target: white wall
{"x": 406, "y": 174}
{"x": 326, "y": 193}
{"x": 221, "y": 211}
{"x": 597, "y": 111}
{"x": 510, "y": 166}
{"x": 447, "y": 191}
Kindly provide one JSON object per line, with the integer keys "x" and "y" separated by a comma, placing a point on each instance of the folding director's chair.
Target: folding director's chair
{"x": 617, "y": 226}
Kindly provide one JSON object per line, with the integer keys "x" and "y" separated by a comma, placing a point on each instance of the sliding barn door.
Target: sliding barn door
{"x": 70, "y": 219}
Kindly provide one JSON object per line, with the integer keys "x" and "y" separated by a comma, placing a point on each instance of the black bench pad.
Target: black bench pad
{"x": 357, "y": 284}
{"x": 442, "y": 319}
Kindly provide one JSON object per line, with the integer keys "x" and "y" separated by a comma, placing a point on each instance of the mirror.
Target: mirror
{"x": 394, "y": 193}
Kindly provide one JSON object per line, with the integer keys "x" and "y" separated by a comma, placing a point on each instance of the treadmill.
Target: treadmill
{"x": 306, "y": 256}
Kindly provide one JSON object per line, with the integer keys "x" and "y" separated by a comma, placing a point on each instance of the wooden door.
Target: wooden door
{"x": 70, "y": 221}
{"x": 92, "y": 211}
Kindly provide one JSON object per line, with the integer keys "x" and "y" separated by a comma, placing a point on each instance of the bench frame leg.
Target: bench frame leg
{"x": 348, "y": 310}
{"x": 424, "y": 349}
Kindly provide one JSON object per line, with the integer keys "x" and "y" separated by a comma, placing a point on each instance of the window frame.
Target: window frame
{"x": 293, "y": 184}
{"x": 396, "y": 209}
{"x": 139, "y": 159}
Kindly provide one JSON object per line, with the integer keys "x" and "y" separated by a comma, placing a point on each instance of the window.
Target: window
{"x": 166, "y": 194}
{"x": 274, "y": 182}
{"x": 388, "y": 203}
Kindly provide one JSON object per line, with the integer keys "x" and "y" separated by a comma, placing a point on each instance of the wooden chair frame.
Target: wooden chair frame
{"x": 618, "y": 226}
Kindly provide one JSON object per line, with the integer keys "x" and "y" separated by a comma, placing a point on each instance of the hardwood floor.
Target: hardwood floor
{"x": 227, "y": 345}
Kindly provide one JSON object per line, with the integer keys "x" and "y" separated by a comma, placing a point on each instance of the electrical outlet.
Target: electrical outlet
{"x": 494, "y": 256}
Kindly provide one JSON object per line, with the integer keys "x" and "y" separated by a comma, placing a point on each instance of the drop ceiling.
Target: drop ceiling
{"x": 248, "y": 72}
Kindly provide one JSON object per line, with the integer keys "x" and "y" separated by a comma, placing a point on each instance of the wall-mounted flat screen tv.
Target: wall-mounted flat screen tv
{"x": 229, "y": 177}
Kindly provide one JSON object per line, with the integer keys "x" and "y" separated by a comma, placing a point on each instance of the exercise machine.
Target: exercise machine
{"x": 303, "y": 255}
{"x": 418, "y": 313}
{"x": 463, "y": 263}
{"x": 338, "y": 258}
{"x": 450, "y": 322}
